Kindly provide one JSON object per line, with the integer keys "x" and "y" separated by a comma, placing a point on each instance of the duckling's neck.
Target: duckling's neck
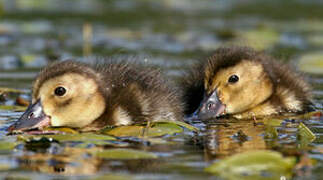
{"x": 99, "y": 123}
{"x": 261, "y": 110}
{"x": 283, "y": 100}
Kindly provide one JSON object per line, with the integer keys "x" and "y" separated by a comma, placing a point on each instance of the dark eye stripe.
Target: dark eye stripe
{"x": 233, "y": 79}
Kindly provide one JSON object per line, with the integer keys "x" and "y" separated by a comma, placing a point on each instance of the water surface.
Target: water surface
{"x": 170, "y": 34}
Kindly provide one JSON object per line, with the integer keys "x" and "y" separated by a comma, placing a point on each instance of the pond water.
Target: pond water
{"x": 170, "y": 34}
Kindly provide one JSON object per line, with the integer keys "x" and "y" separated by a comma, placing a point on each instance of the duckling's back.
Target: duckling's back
{"x": 137, "y": 93}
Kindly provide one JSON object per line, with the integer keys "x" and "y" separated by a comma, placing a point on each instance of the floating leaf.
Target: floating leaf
{"x": 271, "y": 132}
{"x": 260, "y": 164}
{"x": 114, "y": 177}
{"x": 125, "y": 131}
{"x": 9, "y": 90}
{"x": 4, "y": 167}
{"x": 261, "y": 38}
{"x": 315, "y": 39}
{"x": 308, "y": 115}
{"x": 13, "y": 108}
{"x": 305, "y": 135}
{"x": 157, "y": 129}
{"x": 5, "y": 146}
{"x": 125, "y": 154}
{"x": 312, "y": 63}
{"x": 84, "y": 138}
{"x": 272, "y": 122}
{"x": 305, "y": 132}
{"x": 270, "y": 127}
{"x": 81, "y": 137}
{"x": 180, "y": 123}
{"x": 61, "y": 129}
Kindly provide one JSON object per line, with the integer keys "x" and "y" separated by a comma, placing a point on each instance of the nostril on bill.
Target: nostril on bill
{"x": 210, "y": 106}
{"x": 31, "y": 115}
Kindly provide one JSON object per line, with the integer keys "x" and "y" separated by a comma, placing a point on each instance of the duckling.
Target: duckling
{"x": 90, "y": 97}
{"x": 244, "y": 84}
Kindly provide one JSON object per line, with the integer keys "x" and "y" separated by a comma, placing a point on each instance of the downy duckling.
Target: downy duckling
{"x": 245, "y": 84}
{"x": 90, "y": 97}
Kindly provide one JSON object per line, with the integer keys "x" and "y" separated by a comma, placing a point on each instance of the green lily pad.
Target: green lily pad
{"x": 260, "y": 39}
{"x": 270, "y": 127}
{"x": 157, "y": 129}
{"x": 114, "y": 177}
{"x": 62, "y": 129}
{"x": 13, "y": 108}
{"x": 272, "y": 122}
{"x": 4, "y": 167}
{"x": 85, "y": 138}
{"x": 315, "y": 39}
{"x": 305, "y": 135}
{"x": 271, "y": 132}
{"x": 311, "y": 63}
{"x": 308, "y": 115}
{"x": 260, "y": 164}
{"x": 305, "y": 132}
{"x": 125, "y": 154}
{"x": 180, "y": 123}
{"x": 81, "y": 137}
{"x": 10, "y": 90}
{"x": 5, "y": 146}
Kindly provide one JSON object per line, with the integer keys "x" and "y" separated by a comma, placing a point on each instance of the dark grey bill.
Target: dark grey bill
{"x": 33, "y": 117}
{"x": 210, "y": 107}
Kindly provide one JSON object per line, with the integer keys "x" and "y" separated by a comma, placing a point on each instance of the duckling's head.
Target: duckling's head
{"x": 234, "y": 81}
{"x": 64, "y": 94}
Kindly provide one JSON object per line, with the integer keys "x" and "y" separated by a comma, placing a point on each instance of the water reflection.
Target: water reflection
{"x": 226, "y": 137}
{"x": 233, "y": 136}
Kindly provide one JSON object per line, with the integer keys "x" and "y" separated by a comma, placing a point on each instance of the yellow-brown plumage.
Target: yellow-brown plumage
{"x": 245, "y": 84}
{"x": 89, "y": 97}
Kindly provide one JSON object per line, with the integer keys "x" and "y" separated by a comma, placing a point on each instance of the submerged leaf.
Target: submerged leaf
{"x": 260, "y": 164}
{"x": 125, "y": 154}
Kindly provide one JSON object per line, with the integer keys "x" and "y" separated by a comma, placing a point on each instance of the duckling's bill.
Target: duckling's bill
{"x": 210, "y": 107}
{"x": 33, "y": 118}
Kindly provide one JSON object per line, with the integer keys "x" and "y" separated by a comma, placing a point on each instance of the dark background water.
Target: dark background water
{"x": 170, "y": 34}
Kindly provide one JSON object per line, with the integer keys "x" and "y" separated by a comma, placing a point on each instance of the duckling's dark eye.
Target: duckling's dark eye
{"x": 233, "y": 79}
{"x": 60, "y": 91}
